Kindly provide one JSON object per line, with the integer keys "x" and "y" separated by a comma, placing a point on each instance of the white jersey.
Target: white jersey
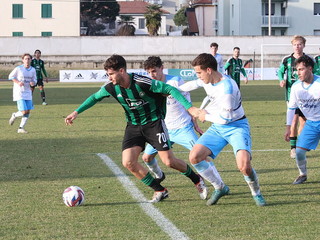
{"x": 219, "y": 59}
{"x": 177, "y": 116}
{"x": 26, "y": 76}
{"x": 225, "y": 100}
{"x": 306, "y": 98}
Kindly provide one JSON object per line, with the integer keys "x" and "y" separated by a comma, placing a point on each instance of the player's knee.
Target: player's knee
{"x": 146, "y": 157}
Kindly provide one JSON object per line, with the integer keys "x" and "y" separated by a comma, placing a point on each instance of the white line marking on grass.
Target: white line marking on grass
{"x": 165, "y": 224}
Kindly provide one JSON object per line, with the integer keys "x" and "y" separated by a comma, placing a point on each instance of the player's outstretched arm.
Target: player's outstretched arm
{"x": 69, "y": 119}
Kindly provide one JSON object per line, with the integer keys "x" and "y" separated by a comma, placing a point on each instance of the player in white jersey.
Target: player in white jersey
{"x": 23, "y": 77}
{"x": 229, "y": 125}
{"x": 214, "y": 51}
{"x": 181, "y": 126}
{"x": 305, "y": 95}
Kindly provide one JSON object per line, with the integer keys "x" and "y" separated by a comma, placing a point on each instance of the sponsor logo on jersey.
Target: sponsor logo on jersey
{"x": 141, "y": 94}
{"x": 119, "y": 95}
{"x": 135, "y": 103}
{"x": 165, "y": 145}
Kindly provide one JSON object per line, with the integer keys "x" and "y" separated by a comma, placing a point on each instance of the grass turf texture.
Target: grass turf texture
{"x": 37, "y": 167}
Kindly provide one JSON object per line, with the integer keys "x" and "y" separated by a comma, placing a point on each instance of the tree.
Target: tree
{"x": 153, "y": 19}
{"x": 126, "y": 29}
{"x": 96, "y": 13}
{"x": 180, "y": 18}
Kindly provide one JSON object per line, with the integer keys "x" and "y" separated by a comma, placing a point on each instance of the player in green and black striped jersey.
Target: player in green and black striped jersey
{"x": 38, "y": 64}
{"x": 144, "y": 104}
{"x": 317, "y": 65}
{"x": 234, "y": 67}
{"x": 287, "y": 68}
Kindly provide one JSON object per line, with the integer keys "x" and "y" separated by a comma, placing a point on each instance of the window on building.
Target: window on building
{"x": 316, "y": 9}
{"x": 316, "y": 32}
{"x": 17, "y": 34}
{"x": 46, "y": 10}
{"x": 265, "y": 9}
{"x": 283, "y": 32}
{"x": 283, "y": 10}
{"x": 46, "y": 34}
{"x": 17, "y": 11}
{"x": 142, "y": 23}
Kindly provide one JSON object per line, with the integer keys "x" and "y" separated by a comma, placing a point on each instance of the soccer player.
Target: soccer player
{"x": 317, "y": 65}
{"x": 23, "y": 77}
{"x": 180, "y": 124}
{"x": 288, "y": 67}
{"x": 229, "y": 126}
{"x": 214, "y": 51}
{"x": 144, "y": 103}
{"x": 38, "y": 64}
{"x": 234, "y": 67}
{"x": 305, "y": 95}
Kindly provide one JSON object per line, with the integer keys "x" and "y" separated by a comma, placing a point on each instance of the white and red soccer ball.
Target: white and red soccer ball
{"x": 73, "y": 196}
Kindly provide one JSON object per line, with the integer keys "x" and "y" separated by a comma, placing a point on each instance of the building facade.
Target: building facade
{"x": 39, "y": 18}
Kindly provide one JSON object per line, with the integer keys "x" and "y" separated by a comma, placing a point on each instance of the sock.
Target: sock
{"x": 192, "y": 175}
{"x": 208, "y": 171}
{"x": 253, "y": 183}
{"x": 293, "y": 142}
{"x": 18, "y": 114}
{"x": 43, "y": 95}
{"x": 301, "y": 160}
{"x": 24, "y": 120}
{"x": 151, "y": 182}
{"x": 154, "y": 168}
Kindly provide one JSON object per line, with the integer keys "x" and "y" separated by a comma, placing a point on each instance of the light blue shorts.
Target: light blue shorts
{"x": 237, "y": 134}
{"x": 310, "y": 135}
{"x": 24, "y": 105}
{"x": 185, "y": 137}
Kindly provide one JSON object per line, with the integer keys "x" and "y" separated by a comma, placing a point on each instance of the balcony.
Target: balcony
{"x": 159, "y": 2}
{"x": 276, "y": 21}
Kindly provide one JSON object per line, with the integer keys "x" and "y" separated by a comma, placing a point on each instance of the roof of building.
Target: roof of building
{"x": 135, "y": 7}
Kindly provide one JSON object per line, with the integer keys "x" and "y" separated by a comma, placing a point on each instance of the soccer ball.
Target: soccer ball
{"x": 73, "y": 196}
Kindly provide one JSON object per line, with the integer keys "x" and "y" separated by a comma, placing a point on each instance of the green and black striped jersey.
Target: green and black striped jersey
{"x": 234, "y": 67}
{"x": 143, "y": 101}
{"x": 39, "y": 66}
{"x": 317, "y": 65}
{"x": 288, "y": 67}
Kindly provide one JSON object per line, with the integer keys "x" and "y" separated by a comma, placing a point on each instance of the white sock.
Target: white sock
{"x": 23, "y": 122}
{"x": 209, "y": 172}
{"x": 18, "y": 114}
{"x": 253, "y": 183}
{"x": 301, "y": 160}
{"x": 154, "y": 168}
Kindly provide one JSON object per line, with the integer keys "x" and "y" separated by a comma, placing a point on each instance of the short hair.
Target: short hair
{"x": 26, "y": 54}
{"x": 298, "y": 37}
{"x": 236, "y": 48}
{"x": 306, "y": 60}
{"x": 205, "y": 60}
{"x": 214, "y": 44}
{"x": 37, "y": 51}
{"x": 151, "y": 62}
{"x": 115, "y": 62}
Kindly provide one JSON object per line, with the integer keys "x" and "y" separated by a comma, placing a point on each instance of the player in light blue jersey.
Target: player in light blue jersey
{"x": 305, "y": 95}
{"x": 229, "y": 126}
{"x": 180, "y": 124}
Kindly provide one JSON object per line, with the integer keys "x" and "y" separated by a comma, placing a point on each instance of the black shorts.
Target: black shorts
{"x": 155, "y": 133}
{"x": 298, "y": 111}
{"x": 39, "y": 82}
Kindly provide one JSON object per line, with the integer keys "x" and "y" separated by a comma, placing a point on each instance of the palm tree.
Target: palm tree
{"x": 153, "y": 19}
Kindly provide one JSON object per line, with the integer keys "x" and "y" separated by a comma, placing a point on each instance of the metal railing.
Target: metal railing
{"x": 275, "y": 20}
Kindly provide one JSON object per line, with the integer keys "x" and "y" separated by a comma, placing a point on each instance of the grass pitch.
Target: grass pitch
{"x": 37, "y": 167}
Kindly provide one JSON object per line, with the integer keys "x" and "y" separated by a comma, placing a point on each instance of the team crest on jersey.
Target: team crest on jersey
{"x": 135, "y": 103}
{"x": 141, "y": 94}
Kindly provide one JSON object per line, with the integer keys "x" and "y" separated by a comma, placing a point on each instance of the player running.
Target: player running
{"x": 144, "y": 104}
{"x": 229, "y": 125}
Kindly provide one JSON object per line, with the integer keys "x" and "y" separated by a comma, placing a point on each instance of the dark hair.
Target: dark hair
{"x": 236, "y": 48}
{"x": 214, "y": 45}
{"x": 306, "y": 60}
{"x": 151, "y": 62}
{"x": 26, "y": 54}
{"x": 115, "y": 62}
{"x": 205, "y": 60}
{"x": 37, "y": 51}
